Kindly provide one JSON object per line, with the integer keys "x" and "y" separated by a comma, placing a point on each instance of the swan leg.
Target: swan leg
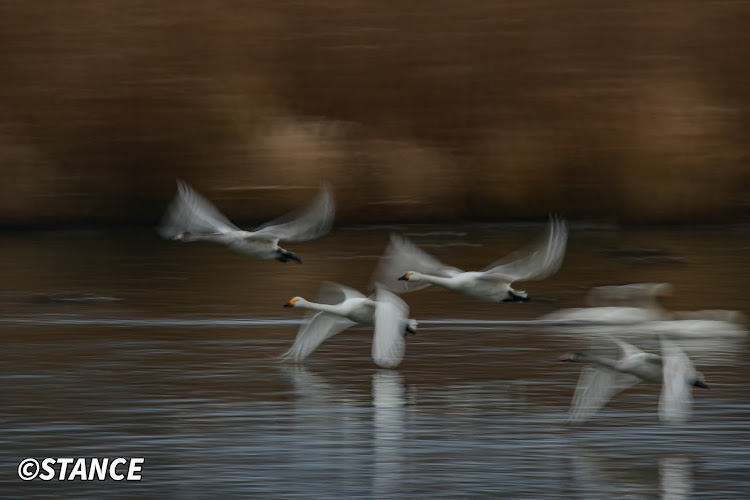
{"x": 285, "y": 256}
{"x": 516, "y": 297}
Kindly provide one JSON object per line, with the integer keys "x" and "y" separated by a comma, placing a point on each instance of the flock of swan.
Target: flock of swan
{"x": 405, "y": 267}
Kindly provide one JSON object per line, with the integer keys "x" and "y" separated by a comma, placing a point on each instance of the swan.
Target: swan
{"x": 636, "y": 309}
{"x": 645, "y": 295}
{"x": 190, "y": 217}
{"x": 618, "y": 305}
{"x": 490, "y": 285}
{"x": 341, "y": 307}
{"x": 604, "y": 377}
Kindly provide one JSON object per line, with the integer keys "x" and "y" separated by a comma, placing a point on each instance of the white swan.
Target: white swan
{"x": 386, "y": 312}
{"x": 636, "y": 310}
{"x": 645, "y": 295}
{"x": 618, "y": 305}
{"x": 492, "y": 284}
{"x": 191, "y": 217}
{"x": 605, "y": 377}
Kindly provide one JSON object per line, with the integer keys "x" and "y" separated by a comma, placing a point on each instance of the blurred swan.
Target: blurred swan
{"x": 191, "y": 217}
{"x": 618, "y": 305}
{"x": 646, "y": 295}
{"x": 724, "y": 315}
{"x": 636, "y": 310}
{"x": 341, "y": 307}
{"x": 604, "y": 377}
{"x": 492, "y": 284}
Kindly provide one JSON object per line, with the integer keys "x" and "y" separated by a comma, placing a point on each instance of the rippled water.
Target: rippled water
{"x": 119, "y": 344}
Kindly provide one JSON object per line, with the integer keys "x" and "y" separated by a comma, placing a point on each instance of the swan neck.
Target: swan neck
{"x": 596, "y": 360}
{"x": 315, "y": 306}
{"x": 188, "y": 237}
{"x": 435, "y": 280}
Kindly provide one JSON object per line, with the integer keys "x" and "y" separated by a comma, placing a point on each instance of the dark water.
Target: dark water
{"x": 118, "y": 344}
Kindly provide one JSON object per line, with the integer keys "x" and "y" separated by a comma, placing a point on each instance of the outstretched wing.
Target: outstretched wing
{"x": 320, "y": 328}
{"x": 311, "y": 222}
{"x": 388, "y": 342}
{"x": 402, "y": 256}
{"x": 333, "y": 293}
{"x": 595, "y": 387}
{"x": 537, "y": 261}
{"x": 676, "y": 391}
{"x": 190, "y": 212}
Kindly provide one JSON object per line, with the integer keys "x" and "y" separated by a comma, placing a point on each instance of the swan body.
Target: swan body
{"x": 494, "y": 284}
{"x": 606, "y": 315}
{"x": 604, "y": 377}
{"x": 474, "y": 284}
{"x": 636, "y": 309}
{"x": 190, "y": 217}
{"x": 618, "y": 305}
{"x": 387, "y": 313}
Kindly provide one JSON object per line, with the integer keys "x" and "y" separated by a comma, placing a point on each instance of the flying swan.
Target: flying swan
{"x": 602, "y": 378}
{"x": 190, "y": 217}
{"x": 340, "y": 307}
{"x": 493, "y": 284}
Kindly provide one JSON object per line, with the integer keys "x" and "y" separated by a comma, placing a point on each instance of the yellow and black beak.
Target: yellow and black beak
{"x": 291, "y": 303}
{"x": 405, "y": 277}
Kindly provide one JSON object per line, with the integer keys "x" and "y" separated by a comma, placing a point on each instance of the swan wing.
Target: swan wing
{"x": 190, "y": 212}
{"x": 333, "y": 293}
{"x": 537, "y": 261}
{"x": 595, "y": 387}
{"x": 320, "y": 328}
{"x": 388, "y": 343}
{"x": 626, "y": 350}
{"x": 402, "y": 256}
{"x": 308, "y": 223}
{"x": 676, "y": 392}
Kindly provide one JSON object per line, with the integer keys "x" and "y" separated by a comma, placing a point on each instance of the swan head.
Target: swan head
{"x": 186, "y": 237}
{"x": 295, "y": 302}
{"x": 410, "y": 276}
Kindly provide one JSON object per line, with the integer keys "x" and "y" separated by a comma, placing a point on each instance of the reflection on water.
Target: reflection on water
{"x": 676, "y": 477}
{"x": 183, "y": 371}
{"x": 595, "y": 477}
{"x": 389, "y": 423}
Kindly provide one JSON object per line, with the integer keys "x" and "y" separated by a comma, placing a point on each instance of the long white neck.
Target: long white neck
{"x": 315, "y": 306}
{"x": 434, "y": 280}
{"x": 596, "y": 360}
{"x": 188, "y": 237}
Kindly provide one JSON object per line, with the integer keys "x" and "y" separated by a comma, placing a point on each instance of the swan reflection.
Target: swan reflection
{"x": 388, "y": 423}
{"x": 676, "y": 477}
{"x": 599, "y": 476}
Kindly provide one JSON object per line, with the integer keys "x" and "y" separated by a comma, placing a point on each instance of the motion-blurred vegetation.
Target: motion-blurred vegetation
{"x": 492, "y": 109}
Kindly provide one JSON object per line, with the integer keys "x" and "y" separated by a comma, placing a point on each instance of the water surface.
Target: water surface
{"x": 120, "y": 344}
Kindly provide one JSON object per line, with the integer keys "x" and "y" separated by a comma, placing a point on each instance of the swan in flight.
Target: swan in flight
{"x": 493, "y": 284}
{"x": 604, "y": 377}
{"x": 191, "y": 217}
{"x": 618, "y": 305}
{"x": 340, "y": 307}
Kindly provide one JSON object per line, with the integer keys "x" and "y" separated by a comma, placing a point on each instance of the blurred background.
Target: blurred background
{"x": 634, "y": 113}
